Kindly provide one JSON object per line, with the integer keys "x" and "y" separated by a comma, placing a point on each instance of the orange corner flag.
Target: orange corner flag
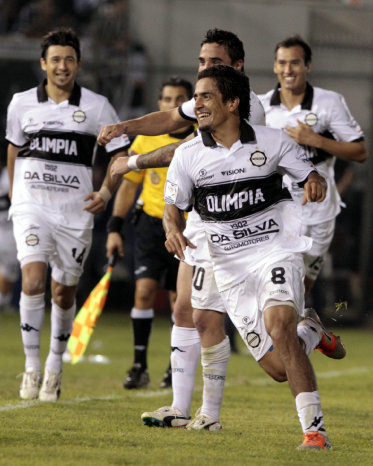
{"x": 85, "y": 320}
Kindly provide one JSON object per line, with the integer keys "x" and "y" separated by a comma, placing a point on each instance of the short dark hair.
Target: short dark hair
{"x": 294, "y": 41}
{"x": 229, "y": 40}
{"x": 176, "y": 81}
{"x": 60, "y": 36}
{"x": 231, "y": 84}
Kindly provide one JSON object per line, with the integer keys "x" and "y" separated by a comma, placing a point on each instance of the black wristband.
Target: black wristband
{"x": 114, "y": 225}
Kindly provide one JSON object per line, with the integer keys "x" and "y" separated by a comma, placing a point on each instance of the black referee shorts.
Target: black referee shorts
{"x": 151, "y": 257}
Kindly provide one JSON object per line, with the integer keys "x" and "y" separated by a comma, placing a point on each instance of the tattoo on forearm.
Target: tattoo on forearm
{"x": 158, "y": 158}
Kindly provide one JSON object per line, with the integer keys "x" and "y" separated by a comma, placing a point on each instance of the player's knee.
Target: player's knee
{"x": 33, "y": 285}
{"x": 183, "y": 313}
{"x": 63, "y": 296}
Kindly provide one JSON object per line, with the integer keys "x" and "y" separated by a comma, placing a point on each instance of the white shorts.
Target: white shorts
{"x": 9, "y": 266}
{"x": 278, "y": 281}
{"x": 205, "y": 294}
{"x": 322, "y": 236}
{"x": 43, "y": 239}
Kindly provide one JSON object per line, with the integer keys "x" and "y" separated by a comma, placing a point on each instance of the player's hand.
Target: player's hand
{"x": 97, "y": 205}
{"x": 314, "y": 188}
{"x": 176, "y": 243}
{"x": 109, "y": 132}
{"x": 119, "y": 167}
{"x": 302, "y": 134}
{"x": 114, "y": 243}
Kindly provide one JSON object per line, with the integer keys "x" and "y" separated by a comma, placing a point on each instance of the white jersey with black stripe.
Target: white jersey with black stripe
{"x": 247, "y": 213}
{"x": 194, "y": 230}
{"x": 57, "y": 143}
{"x": 327, "y": 113}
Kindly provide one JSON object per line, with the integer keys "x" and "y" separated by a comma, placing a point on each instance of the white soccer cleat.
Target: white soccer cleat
{"x": 51, "y": 388}
{"x": 167, "y": 416}
{"x": 31, "y": 381}
{"x": 203, "y": 422}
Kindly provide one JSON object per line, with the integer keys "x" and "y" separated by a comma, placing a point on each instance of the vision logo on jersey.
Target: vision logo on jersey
{"x": 236, "y": 171}
{"x": 54, "y": 145}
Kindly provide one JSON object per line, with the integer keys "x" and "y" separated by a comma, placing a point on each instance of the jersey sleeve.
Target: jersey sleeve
{"x": 186, "y": 110}
{"x": 108, "y": 116}
{"x": 14, "y": 132}
{"x": 257, "y": 114}
{"x": 179, "y": 187}
{"x": 343, "y": 126}
{"x": 293, "y": 160}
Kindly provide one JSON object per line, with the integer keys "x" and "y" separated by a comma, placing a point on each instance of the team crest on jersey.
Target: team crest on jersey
{"x": 79, "y": 116}
{"x": 154, "y": 177}
{"x": 311, "y": 119}
{"x": 253, "y": 339}
{"x": 32, "y": 239}
{"x": 258, "y": 158}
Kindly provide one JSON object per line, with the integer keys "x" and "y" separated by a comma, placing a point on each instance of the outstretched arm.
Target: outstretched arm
{"x": 160, "y": 157}
{"x": 153, "y": 124}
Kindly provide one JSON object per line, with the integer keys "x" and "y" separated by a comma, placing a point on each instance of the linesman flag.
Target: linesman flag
{"x": 85, "y": 320}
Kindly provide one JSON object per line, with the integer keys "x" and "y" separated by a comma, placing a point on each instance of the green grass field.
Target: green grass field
{"x": 97, "y": 422}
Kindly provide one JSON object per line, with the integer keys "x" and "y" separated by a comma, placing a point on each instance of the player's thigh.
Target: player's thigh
{"x": 322, "y": 236}
{"x": 33, "y": 234}
{"x": 72, "y": 247}
{"x": 242, "y": 306}
{"x": 205, "y": 294}
{"x": 280, "y": 281}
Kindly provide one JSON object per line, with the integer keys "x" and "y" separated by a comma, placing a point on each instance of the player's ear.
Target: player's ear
{"x": 43, "y": 64}
{"x": 233, "y": 104}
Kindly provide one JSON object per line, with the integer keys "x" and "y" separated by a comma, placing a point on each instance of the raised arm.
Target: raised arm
{"x": 153, "y": 124}
{"x": 160, "y": 157}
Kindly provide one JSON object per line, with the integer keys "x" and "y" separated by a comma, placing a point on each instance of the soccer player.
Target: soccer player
{"x": 52, "y": 130}
{"x": 232, "y": 174}
{"x": 217, "y": 47}
{"x": 9, "y": 268}
{"x": 321, "y": 122}
{"x": 152, "y": 261}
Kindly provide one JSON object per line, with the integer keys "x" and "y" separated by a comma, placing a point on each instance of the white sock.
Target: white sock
{"x": 309, "y": 337}
{"x": 31, "y": 309}
{"x": 61, "y": 326}
{"x": 185, "y": 356}
{"x": 214, "y": 365}
{"x": 309, "y": 411}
